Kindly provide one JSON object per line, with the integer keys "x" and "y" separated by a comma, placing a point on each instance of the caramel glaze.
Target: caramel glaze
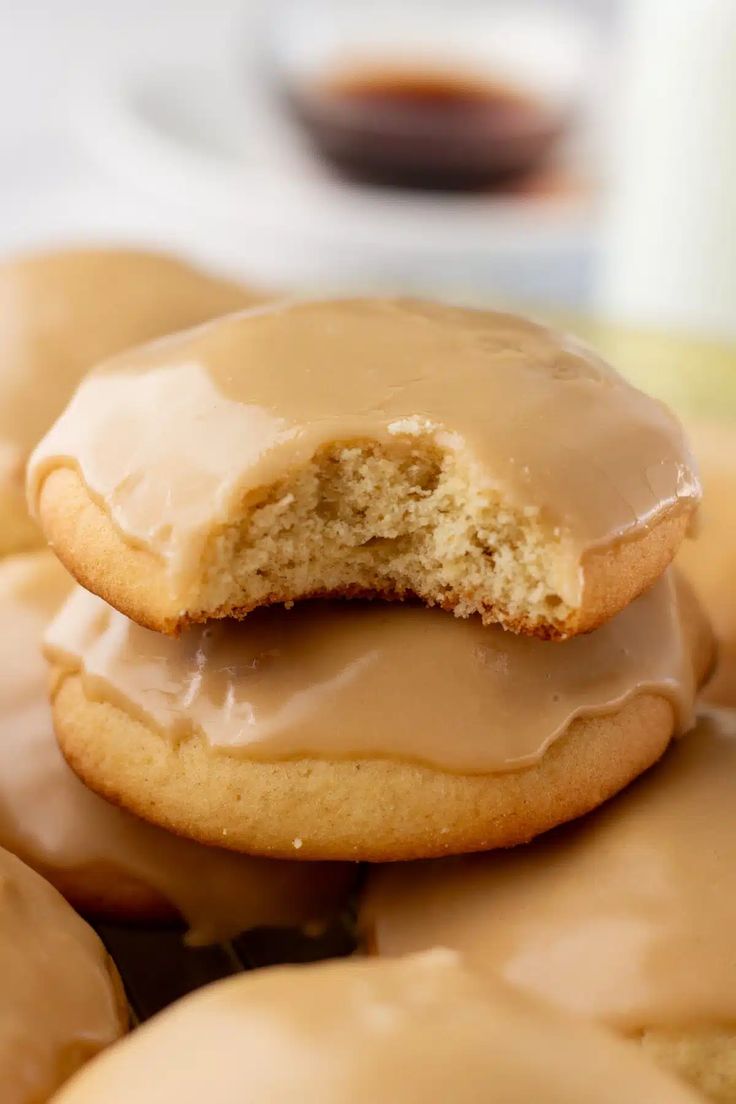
{"x": 627, "y": 917}
{"x": 171, "y": 437}
{"x": 50, "y": 819}
{"x": 64, "y": 311}
{"x": 350, "y": 680}
{"x": 60, "y": 1001}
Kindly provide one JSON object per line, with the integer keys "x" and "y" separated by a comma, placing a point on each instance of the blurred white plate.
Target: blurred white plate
{"x": 210, "y": 141}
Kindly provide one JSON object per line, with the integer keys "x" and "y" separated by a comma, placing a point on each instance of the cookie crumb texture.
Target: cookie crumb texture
{"x": 400, "y": 521}
{"x": 705, "y": 1057}
{"x": 403, "y": 521}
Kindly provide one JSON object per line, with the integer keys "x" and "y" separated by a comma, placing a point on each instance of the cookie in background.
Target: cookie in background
{"x": 626, "y": 917}
{"x": 709, "y": 561}
{"x": 63, "y": 311}
{"x": 61, "y": 1000}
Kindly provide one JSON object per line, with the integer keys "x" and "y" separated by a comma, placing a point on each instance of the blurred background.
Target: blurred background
{"x": 570, "y": 155}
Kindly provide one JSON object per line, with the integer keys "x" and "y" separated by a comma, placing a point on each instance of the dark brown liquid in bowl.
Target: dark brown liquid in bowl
{"x": 423, "y": 129}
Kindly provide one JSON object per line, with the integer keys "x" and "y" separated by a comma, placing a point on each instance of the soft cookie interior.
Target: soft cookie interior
{"x": 365, "y": 518}
{"x": 406, "y": 519}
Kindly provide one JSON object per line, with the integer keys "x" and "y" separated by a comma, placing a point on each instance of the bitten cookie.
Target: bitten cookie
{"x": 61, "y": 1000}
{"x": 628, "y": 917}
{"x": 365, "y": 447}
{"x": 423, "y": 1029}
{"x": 105, "y": 861}
{"x": 370, "y": 731}
{"x": 62, "y": 312}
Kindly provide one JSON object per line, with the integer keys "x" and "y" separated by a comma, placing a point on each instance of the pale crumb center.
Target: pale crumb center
{"x": 397, "y": 519}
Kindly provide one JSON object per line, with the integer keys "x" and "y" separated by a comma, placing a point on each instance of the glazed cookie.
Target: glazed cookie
{"x": 709, "y": 560}
{"x": 365, "y": 447}
{"x": 105, "y": 861}
{"x": 61, "y": 1000}
{"x": 628, "y": 917}
{"x": 62, "y": 312}
{"x": 424, "y": 1029}
{"x": 369, "y": 730}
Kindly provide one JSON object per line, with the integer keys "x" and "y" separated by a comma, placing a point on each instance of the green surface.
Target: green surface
{"x": 697, "y": 378}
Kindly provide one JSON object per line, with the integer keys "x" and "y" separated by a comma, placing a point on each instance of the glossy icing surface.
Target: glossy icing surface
{"x": 628, "y": 916}
{"x": 58, "y": 1002}
{"x": 402, "y": 1032}
{"x": 65, "y": 311}
{"x": 171, "y": 437}
{"x": 50, "y": 819}
{"x": 347, "y": 680}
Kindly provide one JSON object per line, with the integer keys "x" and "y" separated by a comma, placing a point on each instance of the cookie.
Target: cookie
{"x": 627, "y": 917}
{"x": 365, "y": 447}
{"x": 60, "y": 313}
{"x": 61, "y": 1000}
{"x": 708, "y": 560}
{"x": 104, "y": 860}
{"x": 421, "y": 1029}
{"x": 369, "y": 730}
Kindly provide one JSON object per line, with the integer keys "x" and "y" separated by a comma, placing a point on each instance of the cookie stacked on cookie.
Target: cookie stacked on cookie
{"x": 221, "y": 493}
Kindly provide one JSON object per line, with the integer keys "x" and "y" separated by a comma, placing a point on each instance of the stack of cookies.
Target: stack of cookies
{"x": 377, "y": 580}
{"x": 221, "y": 493}
{"x": 380, "y": 580}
